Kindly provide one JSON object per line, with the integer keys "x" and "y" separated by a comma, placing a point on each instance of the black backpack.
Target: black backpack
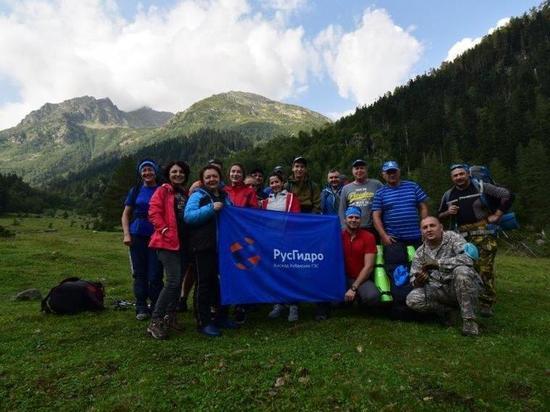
{"x": 74, "y": 295}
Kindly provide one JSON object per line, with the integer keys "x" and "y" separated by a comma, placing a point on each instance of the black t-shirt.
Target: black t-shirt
{"x": 180, "y": 200}
{"x": 465, "y": 213}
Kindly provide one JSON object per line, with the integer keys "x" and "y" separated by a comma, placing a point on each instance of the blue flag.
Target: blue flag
{"x": 276, "y": 257}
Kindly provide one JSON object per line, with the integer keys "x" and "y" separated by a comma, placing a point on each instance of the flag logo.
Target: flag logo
{"x": 244, "y": 254}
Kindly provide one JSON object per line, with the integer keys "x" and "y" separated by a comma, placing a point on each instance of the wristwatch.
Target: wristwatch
{"x": 353, "y": 288}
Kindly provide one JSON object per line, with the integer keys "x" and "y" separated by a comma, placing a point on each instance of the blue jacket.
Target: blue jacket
{"x": 330, "y": 201}
{"x": 200, "y": 215}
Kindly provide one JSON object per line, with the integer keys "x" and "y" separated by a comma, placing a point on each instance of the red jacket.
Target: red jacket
{"x": 241, "y": 195}
{"x": 162, "y": 215}
{"x": 292, "y": 202}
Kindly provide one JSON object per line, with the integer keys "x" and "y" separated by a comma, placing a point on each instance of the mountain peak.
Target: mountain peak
{"x": 77, "y": 110}
{"x": 251, "y": 114}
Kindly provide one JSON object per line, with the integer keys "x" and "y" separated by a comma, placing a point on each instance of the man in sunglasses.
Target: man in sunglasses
{"x": 469, "y": 214}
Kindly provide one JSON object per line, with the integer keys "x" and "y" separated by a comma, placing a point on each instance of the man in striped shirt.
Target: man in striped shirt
{"x": 398, "y": 207}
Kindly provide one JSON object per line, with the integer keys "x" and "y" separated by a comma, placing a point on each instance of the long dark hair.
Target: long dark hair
{"x": 184, "y": 166}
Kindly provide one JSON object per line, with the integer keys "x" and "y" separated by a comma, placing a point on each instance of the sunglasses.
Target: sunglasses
{"x": 459, "y": 166}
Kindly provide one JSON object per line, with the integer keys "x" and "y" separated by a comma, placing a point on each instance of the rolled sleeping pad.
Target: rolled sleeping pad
{"x": 381, "y": 279}
{"x": 410, "y": 253}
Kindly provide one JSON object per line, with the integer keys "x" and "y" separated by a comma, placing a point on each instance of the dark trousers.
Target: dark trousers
{"x": 146, "y": 271}
{"x": 174, "y": 266}
{"x": 207, "y": 287}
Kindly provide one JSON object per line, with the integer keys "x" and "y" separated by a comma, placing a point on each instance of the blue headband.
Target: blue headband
{"x": 147, "y": 163}
{"x": 353, "y": 211}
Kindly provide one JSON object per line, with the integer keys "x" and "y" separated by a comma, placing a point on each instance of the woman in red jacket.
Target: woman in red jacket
{"x": 166, "y": 213}
{"x": 239, "y": 194}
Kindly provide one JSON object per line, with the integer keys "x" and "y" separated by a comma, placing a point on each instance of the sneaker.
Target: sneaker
{"x": 226, "y": 323}
{"x": 142, "y": 316}
{"x": 240, "y": 315}
{"x": 157, "y": 329}
{"x": 171, "y": 322}
{"x": 486, "y": 311}
{"x": 276, "y": 311}
{"x": 210, "y": 330}
{"x": 470, "y": 327}
{"x": 293, "y": 313}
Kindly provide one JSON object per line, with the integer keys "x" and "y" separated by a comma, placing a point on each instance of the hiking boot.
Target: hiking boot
{"x": 470, "y": 327}
{"x": 142, "y": 316}
{"x": 157, "y": 329}
{"x": 226, "y": 323}
{"x": 182, "y": 305}
{"x": 486, "y": 311}
{"x": 210, "y": 330}
{"x": 293, "y": 313}
{"x": 445, "y": 318}
{"x": 171, "y": 322}
{"x": 240, "y": 315}
{"x": 276, "y": 311}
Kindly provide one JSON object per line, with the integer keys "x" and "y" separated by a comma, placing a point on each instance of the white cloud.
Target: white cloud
{"x": 373, "y": 59}
{"x": 284, "y": 5}
{"x": 467, "y": 43}
{"x": 338, "y": 115}
{"x": 166, "y": 59}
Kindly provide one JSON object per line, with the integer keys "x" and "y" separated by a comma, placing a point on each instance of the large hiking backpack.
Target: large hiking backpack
{"x": 480, "y": 175}
{"x": 74, "y": 295}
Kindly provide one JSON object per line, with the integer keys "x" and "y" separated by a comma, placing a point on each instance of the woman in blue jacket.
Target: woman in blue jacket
{"x": 137, "y": 229}
{"x": 201, "y": 214}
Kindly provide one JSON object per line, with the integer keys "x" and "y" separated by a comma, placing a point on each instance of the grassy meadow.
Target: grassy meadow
{"x": 353, "y": 361}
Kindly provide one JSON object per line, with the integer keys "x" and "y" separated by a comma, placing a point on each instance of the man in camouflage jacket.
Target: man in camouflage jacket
{"x": 443, "y": 276}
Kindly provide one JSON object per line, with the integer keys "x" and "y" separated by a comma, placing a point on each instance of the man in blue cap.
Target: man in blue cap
{"x": 359, "y": 257}
{"x": 398, "y": 207}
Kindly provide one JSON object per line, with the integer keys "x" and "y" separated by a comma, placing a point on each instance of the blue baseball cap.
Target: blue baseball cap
{"x": 353, "y": 211}
{"x": 390, "y": 165}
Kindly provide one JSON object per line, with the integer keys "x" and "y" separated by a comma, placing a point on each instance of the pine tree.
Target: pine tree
{"x": 532, "y": 180}
{"x": 112, "y": 202}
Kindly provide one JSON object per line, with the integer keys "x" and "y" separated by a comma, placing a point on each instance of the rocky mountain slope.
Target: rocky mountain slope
{"x": 67, "y": 137}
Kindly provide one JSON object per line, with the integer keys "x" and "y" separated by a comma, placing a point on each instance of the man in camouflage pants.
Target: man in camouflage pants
{"x": 443, "y": 276}
{"x": 470, "y": 216}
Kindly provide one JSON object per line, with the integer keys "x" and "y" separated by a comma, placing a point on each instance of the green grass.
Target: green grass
{"x": 351, "y": 362}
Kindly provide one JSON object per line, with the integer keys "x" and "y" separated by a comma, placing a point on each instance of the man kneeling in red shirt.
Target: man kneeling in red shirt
{"x": 359, "y": 258}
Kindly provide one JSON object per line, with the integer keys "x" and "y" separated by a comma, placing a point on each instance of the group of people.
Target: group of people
{"x": 173, "y": 229}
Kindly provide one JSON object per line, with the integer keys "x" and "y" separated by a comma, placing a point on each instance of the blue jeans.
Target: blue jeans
{"x": 147, "y": 273}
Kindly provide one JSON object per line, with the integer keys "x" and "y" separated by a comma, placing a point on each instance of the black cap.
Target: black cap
{"x": 358, "y": 162}
{"x": 300, "y": 159}
{"x": 217, "y": 161}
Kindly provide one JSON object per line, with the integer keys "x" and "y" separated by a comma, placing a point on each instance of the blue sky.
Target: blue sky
{"x": 329, "y": 56}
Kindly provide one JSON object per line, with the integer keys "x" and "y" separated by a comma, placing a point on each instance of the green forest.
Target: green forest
{"x": 490, "y": 106}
